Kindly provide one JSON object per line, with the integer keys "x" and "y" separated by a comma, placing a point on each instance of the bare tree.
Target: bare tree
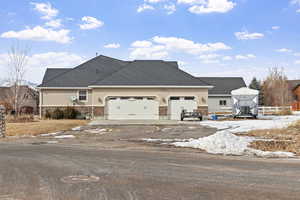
{"x": 275, "y": 88}
{"x": 17, "y": 62}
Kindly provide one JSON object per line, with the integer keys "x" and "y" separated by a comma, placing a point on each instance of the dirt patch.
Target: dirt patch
{"x": 286, "y": 139}
{"x": 42, "y": 126}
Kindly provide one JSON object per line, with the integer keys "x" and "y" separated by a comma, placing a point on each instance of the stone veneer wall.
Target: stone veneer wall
{"x": 2, "y": 121}
{"x": 163, "y": 112}
{"x": 203, "y": 110}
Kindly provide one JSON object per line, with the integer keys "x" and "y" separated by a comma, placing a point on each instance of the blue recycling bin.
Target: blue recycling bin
{"x": 214, "y": 117}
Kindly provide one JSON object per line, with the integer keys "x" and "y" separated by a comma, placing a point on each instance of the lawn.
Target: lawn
{"x": 286, "y": 139}
{"x": 42, "y": 126}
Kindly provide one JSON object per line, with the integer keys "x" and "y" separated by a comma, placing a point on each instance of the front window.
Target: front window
{"x": 223, "y": 103}
{"x": 82, "y": 95}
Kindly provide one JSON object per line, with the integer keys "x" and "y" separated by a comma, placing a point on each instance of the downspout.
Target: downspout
{"x": 40, "y": 102}
{"x": 93, "y": 104}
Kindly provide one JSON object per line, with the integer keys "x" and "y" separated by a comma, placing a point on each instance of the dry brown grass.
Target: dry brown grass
{"x": 42, "y": 126}
{"x": 19, "y": 119}
{"x": 286, "y": 139}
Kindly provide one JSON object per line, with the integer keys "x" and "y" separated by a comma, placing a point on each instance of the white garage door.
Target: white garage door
{"x": 132, "y": 108}
{"x": 177, "y": 104}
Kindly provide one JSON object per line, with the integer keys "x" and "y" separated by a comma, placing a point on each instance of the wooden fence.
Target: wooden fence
{"x": 296, "y": 106}
{"x": 2, "y": 121}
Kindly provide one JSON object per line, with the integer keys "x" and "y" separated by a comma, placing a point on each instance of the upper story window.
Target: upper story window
{"x": 82, "y": 95}
{"x": 223, "y": 103}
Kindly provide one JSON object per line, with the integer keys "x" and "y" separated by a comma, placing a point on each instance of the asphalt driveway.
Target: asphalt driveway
{"x": 60, "y": 172}
{"x": 110, "y": 162}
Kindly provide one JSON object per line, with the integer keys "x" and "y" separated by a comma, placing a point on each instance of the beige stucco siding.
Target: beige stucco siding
{"x": 62, "y": 97}
{"x": 161, "y": 94}
{"x": 97, "y": 97}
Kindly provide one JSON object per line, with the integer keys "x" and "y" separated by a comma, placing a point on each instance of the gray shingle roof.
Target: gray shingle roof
{"x": 53, "y": 72}
{"x": 103, "y": 71}
{"x": 86, "y": 73}
{"x": 223, "y": 85}
{"x": 151, "y": 73}
{"x": 293, "y": 84}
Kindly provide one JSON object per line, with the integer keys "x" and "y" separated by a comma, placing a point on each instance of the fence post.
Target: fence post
{"x": 2, "y": 121}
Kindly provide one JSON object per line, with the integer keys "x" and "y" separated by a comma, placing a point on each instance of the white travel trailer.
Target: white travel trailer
{"x": 245, "y": 102}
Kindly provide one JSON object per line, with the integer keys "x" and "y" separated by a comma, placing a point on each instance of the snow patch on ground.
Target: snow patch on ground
{"x": 52, "y": 142}
{"x": 271, "y": 122}
{"x": 50, "y": 134}
{"x": 97, "y": 131}
{"x": 78, "y": 128}
{"x": 164, "y": 140}
{"x": 64, "y": 136}
{"x": 225, "y": 142}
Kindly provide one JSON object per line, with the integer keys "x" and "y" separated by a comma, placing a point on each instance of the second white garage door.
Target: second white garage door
{"x": 132, "y": 108}
{"x": 177, "y": 104}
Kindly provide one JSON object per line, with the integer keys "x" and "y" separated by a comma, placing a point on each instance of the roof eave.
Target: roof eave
{"x": 149, "y": 86}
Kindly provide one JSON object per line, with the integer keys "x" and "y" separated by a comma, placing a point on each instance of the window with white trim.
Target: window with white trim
{"x": 82, "y": 95}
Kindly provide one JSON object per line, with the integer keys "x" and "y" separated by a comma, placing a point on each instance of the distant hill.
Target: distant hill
{"x": 5, "y": 83}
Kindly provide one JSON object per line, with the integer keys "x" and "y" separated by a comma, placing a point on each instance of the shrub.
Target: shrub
{"x": 48, "y": 114}
{"x": 57, "y": 114}
{"x": 19, "y": 119}
{"x": 70, "y": 113}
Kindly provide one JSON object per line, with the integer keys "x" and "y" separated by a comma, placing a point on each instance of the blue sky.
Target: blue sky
{"x": 208, "y": 37}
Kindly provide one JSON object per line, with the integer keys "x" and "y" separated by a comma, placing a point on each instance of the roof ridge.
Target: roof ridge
{"x": 82, "y": 64}
{"x": 193, "y": 76}
{"x": 163, "y": 62}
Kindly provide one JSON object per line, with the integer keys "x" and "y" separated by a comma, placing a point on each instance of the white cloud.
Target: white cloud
{"x": 143, "y": 43}
{"x": 161, "y": 47}
{"x": 37, "y": 63}
{"x": 209, "y": 56}
{"x": 296, "y": 54}
{"x": 284, "y": 50}
{"x": 149, "y": 52}
{"x": 211, "y": 6}
{"x": 144, "y": 7}
{"x": 112, "y": 46}
{"x": 275, "y": 27}
{"x": 245, "y": 35}
{"x": 210, "y": 61}
{"x": 90, "y": 23}
{"x": 191, "y": 2}
{"x": 39, "y": 33}
{"x": 226, "y": 58}
{"x": 295, "y": 2}
{"x": 46, "y": 10}
{"x": 297, "y": 62}
{"x": 170, "y": 8}
{"x": 245, "y": 57}
{"x": 188, "y": 46}
{"x": 54, "y": 23}
{"x": 154, "y": 1}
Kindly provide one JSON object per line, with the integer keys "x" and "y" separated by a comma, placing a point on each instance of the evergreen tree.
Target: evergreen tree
{"x": 256, "y": 85}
